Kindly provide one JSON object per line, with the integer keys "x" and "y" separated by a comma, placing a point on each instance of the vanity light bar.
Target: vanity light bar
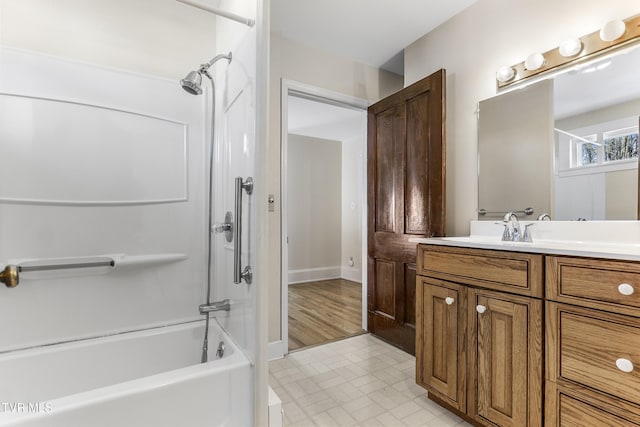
{"x": 593, "y": 45}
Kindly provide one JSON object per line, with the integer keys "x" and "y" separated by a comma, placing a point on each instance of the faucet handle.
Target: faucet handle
{"x": 225, "y": 227}
{"x": 515, "y": 235}
{"x": 509, "y": 215}
{"x": 506, "y": 234}
{"x": 527, "y": 234}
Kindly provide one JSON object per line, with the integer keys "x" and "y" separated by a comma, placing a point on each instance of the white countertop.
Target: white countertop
{"x": 596, "y": 239}
{"x": 623, "y": 251}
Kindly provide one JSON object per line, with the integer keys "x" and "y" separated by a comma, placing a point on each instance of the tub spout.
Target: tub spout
{"x": 223, "y": 305}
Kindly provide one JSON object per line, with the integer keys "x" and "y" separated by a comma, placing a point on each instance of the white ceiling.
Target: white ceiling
{"x": 373, "y": 32}
{"x": 326, "y": 121}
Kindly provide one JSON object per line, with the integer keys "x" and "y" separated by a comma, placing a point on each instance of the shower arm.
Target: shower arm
{"x": 204, "y": 67}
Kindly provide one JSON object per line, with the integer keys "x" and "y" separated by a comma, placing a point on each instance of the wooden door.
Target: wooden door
{"x": 505, "y": 359}
{"x": 440, "y": 340}
{"x": 406, "y": 198}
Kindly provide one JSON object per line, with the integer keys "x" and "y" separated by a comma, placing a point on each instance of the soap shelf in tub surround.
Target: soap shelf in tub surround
{"x": 43, "y": 268}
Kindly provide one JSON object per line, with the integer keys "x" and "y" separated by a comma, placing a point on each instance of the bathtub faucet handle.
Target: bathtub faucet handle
{"x": 225, "y": 227}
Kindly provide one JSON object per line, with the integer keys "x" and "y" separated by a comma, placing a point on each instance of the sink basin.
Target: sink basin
{"x": 596, "y": 249}
{"x": 485, "y": 240}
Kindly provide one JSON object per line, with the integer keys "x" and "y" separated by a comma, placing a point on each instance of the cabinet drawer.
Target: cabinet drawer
{"x": 573, "y": 406}
{"x": 576, "y": 413}
{"x": 514, "y": 272}
{"x": 603, "y": 284}
{"x": 595, "y": 349}
{"x": 573, "y": 412}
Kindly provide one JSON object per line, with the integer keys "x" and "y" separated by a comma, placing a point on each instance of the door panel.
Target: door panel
{"x": 440, "y": 329}
{"x": 501, "y": 361}
{"x": 385, "y": 297}
{"x": 505, "y": 359}
{"x": 385, "y": 162}
{"x": 416, "y": 204}
{"x": 405, "y": 199}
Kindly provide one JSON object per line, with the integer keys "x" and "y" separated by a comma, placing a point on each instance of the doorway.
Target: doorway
{"x": 323, "y": 216}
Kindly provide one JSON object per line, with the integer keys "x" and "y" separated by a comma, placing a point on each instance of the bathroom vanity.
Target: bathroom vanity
{"x": 530, "y": 334}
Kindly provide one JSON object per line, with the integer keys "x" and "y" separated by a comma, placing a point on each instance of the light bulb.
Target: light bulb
{"x": 612, "y": 30}
{"x": 570, "y": 47}
{"x": 505, "y": 74}
{"x": 534, "y": 61}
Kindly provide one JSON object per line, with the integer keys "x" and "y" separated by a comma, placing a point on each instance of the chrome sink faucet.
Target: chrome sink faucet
{"x": 515, "y": 234}
{"x": 512, "y": 231}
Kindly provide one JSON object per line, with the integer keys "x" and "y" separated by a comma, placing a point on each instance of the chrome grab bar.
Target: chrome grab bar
{"x": 10, "y": 276}
{"x": 238, "y": 273}
{"x": 525, "y": 211}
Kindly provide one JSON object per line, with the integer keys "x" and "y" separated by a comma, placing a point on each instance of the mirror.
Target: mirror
{"x": 566, "y": 145}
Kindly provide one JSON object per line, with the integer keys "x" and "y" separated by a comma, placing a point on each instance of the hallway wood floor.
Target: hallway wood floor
{"x": 324, "y": 311}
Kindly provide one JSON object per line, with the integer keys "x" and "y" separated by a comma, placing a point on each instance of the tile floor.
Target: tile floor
{"x": 359, "y": 381}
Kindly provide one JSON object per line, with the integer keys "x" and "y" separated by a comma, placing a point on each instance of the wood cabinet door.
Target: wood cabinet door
{"x": 505, "y": 358}
{"x": 440, "y": 340}
{"x": 405, "y": 193}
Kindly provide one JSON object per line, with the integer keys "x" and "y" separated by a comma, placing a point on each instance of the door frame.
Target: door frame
{"x": 290, "y": 87}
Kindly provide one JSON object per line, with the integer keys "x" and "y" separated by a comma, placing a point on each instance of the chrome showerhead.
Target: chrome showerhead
{"x": 192, "y": 83}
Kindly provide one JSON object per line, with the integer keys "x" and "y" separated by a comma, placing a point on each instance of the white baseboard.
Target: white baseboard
{"x": 275, "y": 409}
{"x": 350, "y": 273}
{"x": 275, "y": 350}
{"x": 313, "y": 274}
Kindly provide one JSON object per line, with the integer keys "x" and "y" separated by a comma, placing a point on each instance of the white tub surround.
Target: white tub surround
{"x": 105, "y": 165}
{"x": 598, "y": 239}
{"x": 144, "y": 378}
{"x": 111, "y": 168}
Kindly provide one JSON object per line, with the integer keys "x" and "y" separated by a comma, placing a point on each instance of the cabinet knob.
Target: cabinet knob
{"x": 449, "y": 300}
{"x": 624, "y": 365}
{"x": 625, "y": 289}
{"x": 481, "y": 309}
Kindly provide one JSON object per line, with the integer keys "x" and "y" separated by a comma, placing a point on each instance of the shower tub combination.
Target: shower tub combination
{"x": 51, "y": 113}
{"x": 145, "y": 378}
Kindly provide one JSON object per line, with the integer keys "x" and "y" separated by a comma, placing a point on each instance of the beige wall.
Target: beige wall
{"x": 471, "y": 46}
{"x": 158, "y": 37}
{"x": 622, "y": 195}
{"x": 515, "y": 146}
{"x": 314, "y": 215}
{"x": 324, "y": 186}
{"x": 293, "y": 61}
{"x": 352, "y": 165}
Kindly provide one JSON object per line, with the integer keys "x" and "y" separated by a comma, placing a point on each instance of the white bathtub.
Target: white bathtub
{"x": 145, "y": 378}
